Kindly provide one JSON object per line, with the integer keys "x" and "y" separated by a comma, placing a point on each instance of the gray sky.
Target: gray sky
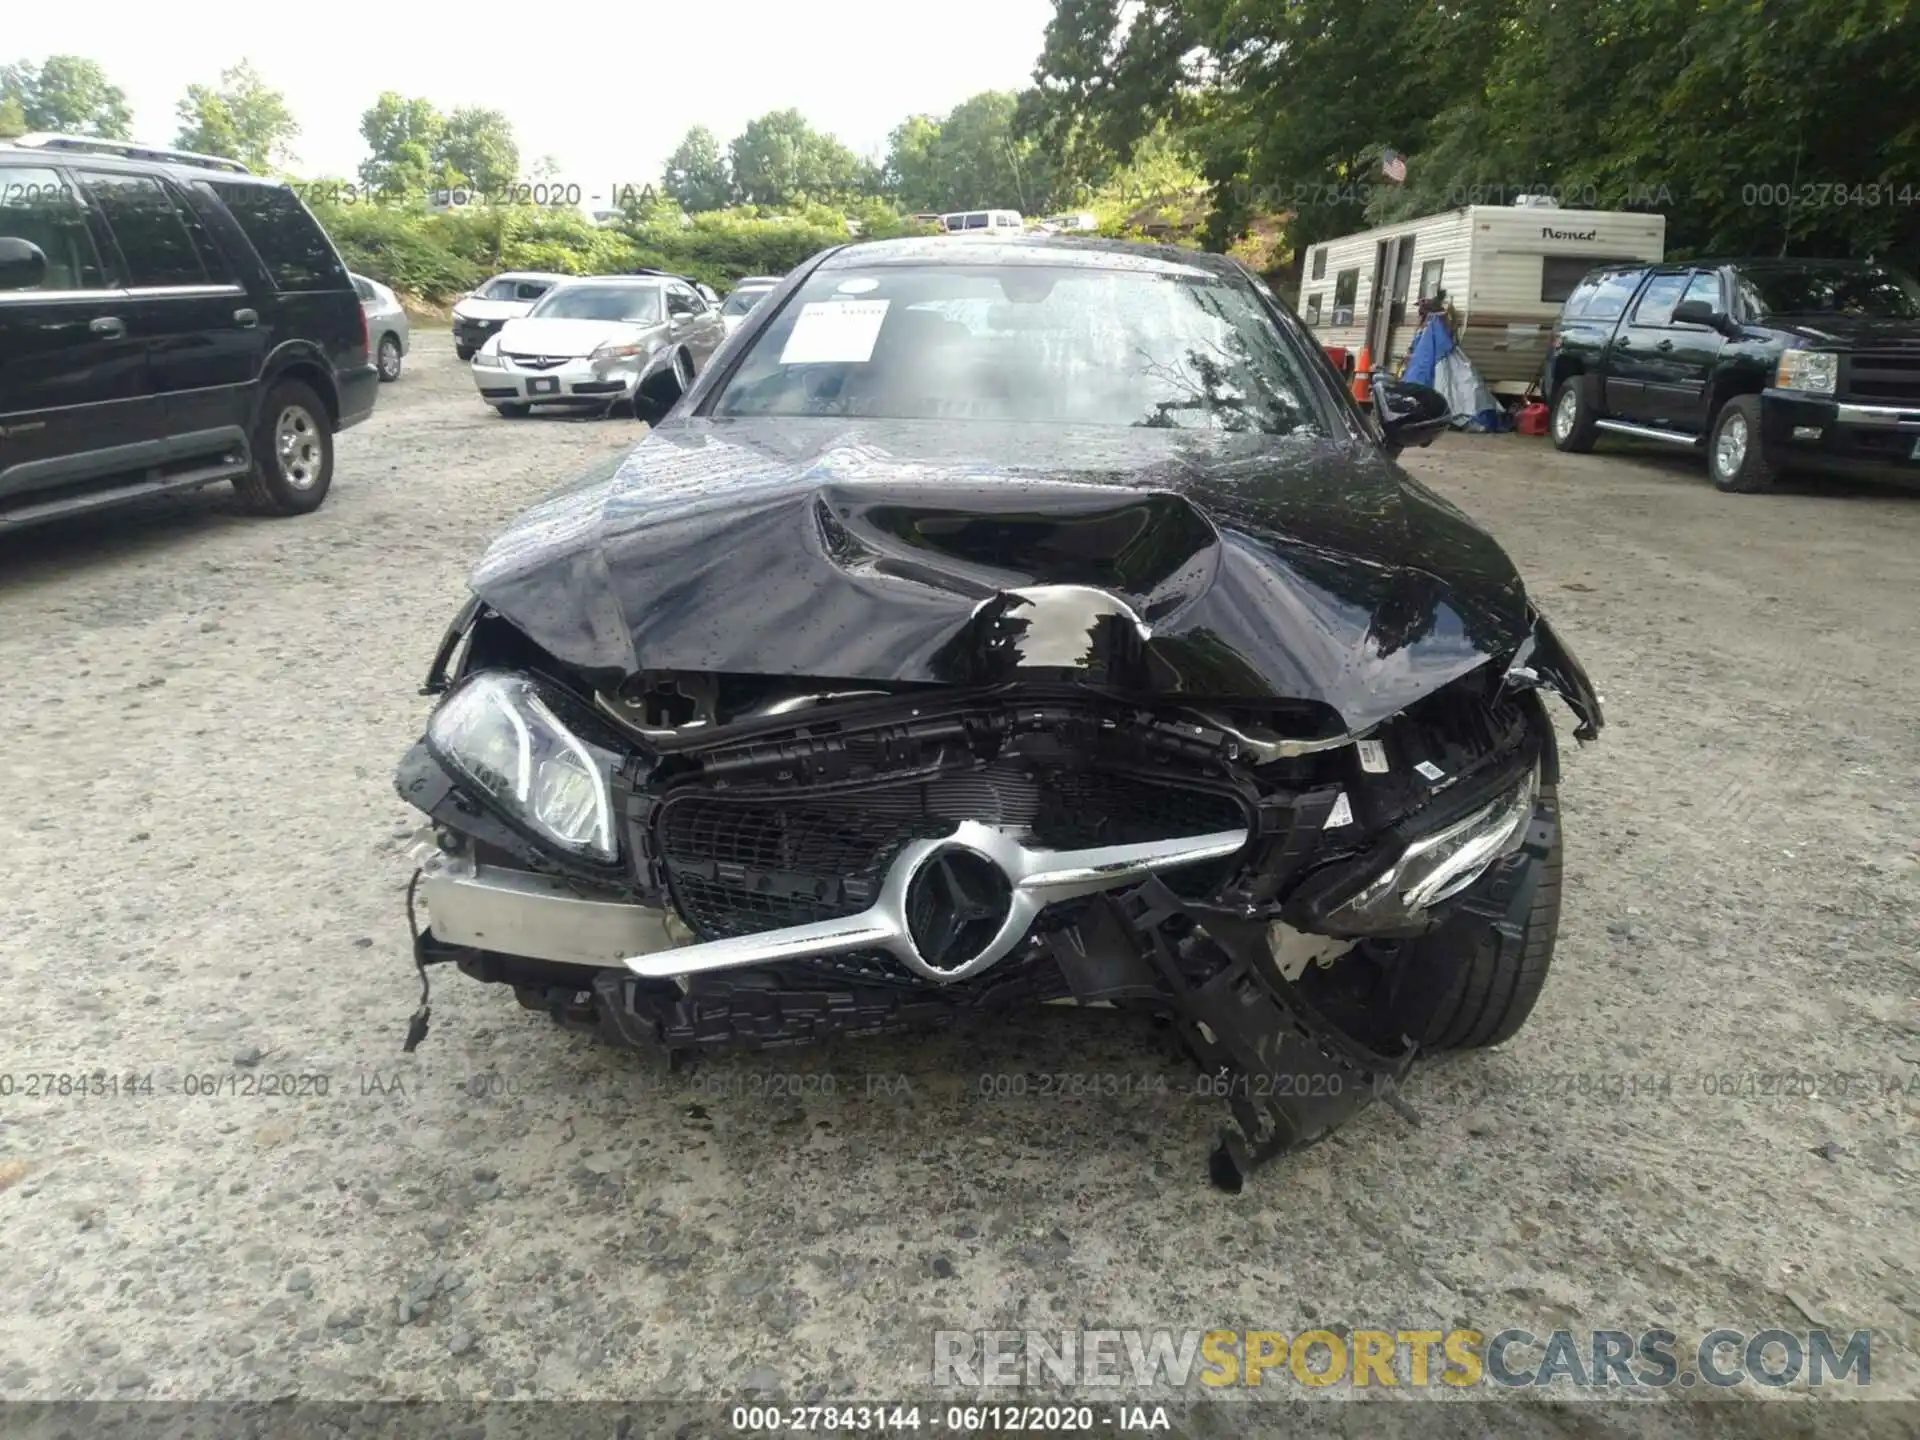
{"x": 610, "y": 98}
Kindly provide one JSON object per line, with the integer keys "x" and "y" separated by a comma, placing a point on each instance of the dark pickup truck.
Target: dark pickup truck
{"x": 1766, "y": 365}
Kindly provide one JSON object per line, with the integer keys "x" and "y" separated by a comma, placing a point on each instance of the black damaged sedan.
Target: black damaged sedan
{"x": 995, "y": 624}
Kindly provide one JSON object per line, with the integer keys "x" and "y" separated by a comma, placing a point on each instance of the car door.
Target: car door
{"x": 705, "y": 330}
{"x": 682, "y": 320}
{"x": 203, "y": 337}
{"x": 1643, "y": 348}
{"x": 75, "y": 402}
{"x": 1676, "y": 390}
{"x": 1606, "y": 312}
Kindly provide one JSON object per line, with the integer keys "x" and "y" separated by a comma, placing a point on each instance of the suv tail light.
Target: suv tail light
{"x": 366, "y": 335}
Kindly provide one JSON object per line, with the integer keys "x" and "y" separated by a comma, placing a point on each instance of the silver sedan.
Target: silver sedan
{"x": 387, "y": 333}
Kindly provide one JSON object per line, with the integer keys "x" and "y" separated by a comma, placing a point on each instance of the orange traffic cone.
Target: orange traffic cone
{"x": 1363, "y": 376}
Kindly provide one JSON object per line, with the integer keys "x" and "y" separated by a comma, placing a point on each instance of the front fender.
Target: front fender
{"x": 1543, "y": 657}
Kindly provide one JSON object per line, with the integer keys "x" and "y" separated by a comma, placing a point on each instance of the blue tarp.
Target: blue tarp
{"x": 1432, "y": 345}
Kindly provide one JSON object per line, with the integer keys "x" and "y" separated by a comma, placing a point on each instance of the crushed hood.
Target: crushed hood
{"x": 1194, "y": 565}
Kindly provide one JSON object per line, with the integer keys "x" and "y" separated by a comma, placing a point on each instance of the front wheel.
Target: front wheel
{"x": 292, "y": 453}
{"x": 1571, "y": 424}
{"x": 515, "y": 412}
{"x": 463, "y": 352}
{"x": 1734, "y": 455}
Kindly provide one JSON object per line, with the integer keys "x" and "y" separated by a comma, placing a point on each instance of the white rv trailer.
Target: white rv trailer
{"x": 1505, "y": 270}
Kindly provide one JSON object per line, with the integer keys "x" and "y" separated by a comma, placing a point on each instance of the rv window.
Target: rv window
{"x": 1346, "y": 288}
{"x": 1662, "y": 294}
{"x": 1430, "y": 278}
{"x": 1313, "y": 307}
{"x": 1611, "y": 294}
{"x": 1559, "y": 274}
{"x": 1319, "y": 264}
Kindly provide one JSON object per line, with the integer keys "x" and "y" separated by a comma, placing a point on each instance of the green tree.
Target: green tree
{"x": 403, "y": 140}
{"x": 13, "y": 117}
{"x": 779, "y": 159}
{"x": 478, "y": 145}
{"x": 912, "y": 174}
{"x": 68, "y": 94}
{"x": 696, "y": 172}
{"x": 242, "y": 118}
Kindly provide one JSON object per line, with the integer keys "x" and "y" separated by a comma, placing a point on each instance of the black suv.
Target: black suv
{"x": 167, "y": 320}
{"x": 1768, "y": 365}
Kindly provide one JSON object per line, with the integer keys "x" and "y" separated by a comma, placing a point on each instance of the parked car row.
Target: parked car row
{"x": 601, "y": 342}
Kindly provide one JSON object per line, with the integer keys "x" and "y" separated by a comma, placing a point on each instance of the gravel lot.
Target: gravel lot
{"x": 205, "y": 864}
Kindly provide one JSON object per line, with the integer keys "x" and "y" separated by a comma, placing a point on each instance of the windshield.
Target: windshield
{"x": 1066, "y": 344}
{"x": 639, "y": 304}
{"x": 741, "y": 301}
{"x": 1865, "y": 291}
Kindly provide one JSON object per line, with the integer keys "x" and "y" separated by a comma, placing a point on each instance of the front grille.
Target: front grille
{"x": 1884, "y": 377}
{"x": 537, "y": 362}
{"x": 743, "y": 866}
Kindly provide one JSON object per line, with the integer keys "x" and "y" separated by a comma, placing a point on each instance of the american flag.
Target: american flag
{"x": 1394, "y": 166}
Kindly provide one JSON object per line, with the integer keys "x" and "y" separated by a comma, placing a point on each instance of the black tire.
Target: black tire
{"x": 1570, "y": 422}
{"x": 1735, "y": 455}
{"x": 1493, "y": 988}
{"x": 292, "y": 453}
{"x": 515, "y": 412}
{"x": 389, "y": 358}
{"x": 463, "y": 352}
{"x": 662, "y": 391}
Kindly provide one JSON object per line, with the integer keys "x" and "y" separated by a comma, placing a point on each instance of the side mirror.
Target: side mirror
{"x": 1409, "y": 414}
{"x": 1699, "y": 312}
{"x": 23, "y": 264}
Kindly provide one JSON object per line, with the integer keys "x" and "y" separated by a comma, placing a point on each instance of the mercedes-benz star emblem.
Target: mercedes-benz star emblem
{"x": 956, "y": 903}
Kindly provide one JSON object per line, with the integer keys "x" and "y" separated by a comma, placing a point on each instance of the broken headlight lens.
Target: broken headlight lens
{"x": 498, "y": 733}
{"x": 1439, "y": 866}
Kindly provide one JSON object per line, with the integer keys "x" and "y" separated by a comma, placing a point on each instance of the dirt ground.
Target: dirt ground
{"x": 1710, "y": 1121}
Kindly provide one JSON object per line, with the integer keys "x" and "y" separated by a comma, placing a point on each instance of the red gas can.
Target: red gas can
{"x": 1532, "y": 419}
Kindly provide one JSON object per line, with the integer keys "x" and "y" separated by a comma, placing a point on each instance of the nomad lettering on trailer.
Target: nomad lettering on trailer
{"x": 1547, "y": 232}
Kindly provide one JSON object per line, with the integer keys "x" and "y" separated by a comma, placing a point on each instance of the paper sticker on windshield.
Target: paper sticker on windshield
{"x": 835, "y": 332}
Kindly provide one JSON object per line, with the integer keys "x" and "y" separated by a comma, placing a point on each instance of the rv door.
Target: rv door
{"x": 1392, "y": 271}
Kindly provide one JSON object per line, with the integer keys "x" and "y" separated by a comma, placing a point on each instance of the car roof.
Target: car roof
{"x": 530, "y": 275}
{"x": 636, "y": 281}
{"x": 746, "y": 280}
{"x": 131, "y": 164}
{"x": 1093, "y": 253}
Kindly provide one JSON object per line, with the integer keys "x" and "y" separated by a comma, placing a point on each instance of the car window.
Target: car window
{"x": 1581, "y": 297}
{"x": 680, "y": 302}
{"x": 154, "y": 240}
{"x": 499, "y": 290}
{"x": 1046, "y": 344}
{"x": 365, "y": 290}
{"x": 741, "y": 301}
{"x": 290, "y": 243}
{"x": 1662, "y": 294}
{"x": 1853, "y": 289}
{"x": 1704, "y": 287}
{"x": 40, "y": 207}
{"x": 529, "y": 289}
{"x": 634, "y": 304}
{"x": 1611, "y": 293}
{"x": 976, "y": 222}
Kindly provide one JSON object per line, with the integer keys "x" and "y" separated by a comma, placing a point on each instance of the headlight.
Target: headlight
{"x": 498, "y": 733}
{"x": 611, "y": 351}
{"x": 488, "y": 359}
{"x": 1815, "y": 371}
{"x": 1439, "y": 866}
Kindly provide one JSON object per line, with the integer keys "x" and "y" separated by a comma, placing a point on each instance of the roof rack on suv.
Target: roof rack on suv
{"x": 127, "y": 149}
